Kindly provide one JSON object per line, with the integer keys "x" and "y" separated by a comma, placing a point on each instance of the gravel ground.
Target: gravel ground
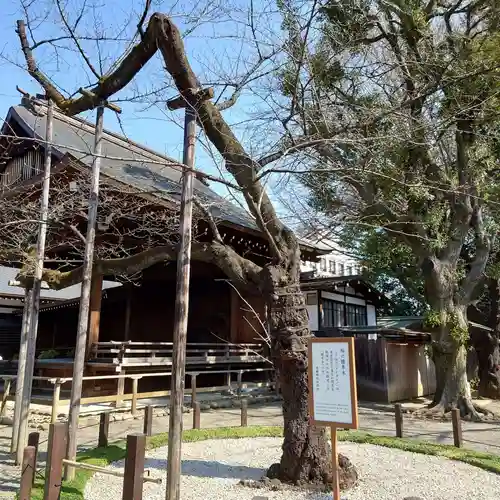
{"x": 212, "y": 470}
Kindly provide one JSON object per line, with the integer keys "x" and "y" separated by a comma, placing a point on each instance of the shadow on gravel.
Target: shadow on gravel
{"x": 202, "y": 468}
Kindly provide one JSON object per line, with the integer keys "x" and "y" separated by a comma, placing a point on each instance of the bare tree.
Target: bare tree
{"x": 305, "y": 452}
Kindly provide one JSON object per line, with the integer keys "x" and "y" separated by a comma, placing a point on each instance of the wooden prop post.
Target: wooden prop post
{"x": 332, "y": 391}
{"x": 37, "y": 285}
{"x": 83, "y": 315}
{"x": 182, "y": 290}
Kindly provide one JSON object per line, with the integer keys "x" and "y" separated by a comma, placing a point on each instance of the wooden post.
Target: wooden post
{"x": 33, "y": 440}
{"x": 399, "y": 420}
{"x": 335, "y": 465}
{"x": 148, "y": 420}
{"x": 83, "y": 314}
{"x": 5, "y": 396}
{"x": 135, "y": 383}
{"x": 228, "y": 379}
{"x": 128, "y": 306}
{"x": 182, "y": 292}
{"x": 457, "y": 427}
{"x": 244, "y": 413}
{"x": 103, "y": 430}
{"x": 37, "y": 285}
{"x": 56, "y": 396}
{"x": 193, "y": 389}
{"x": 27, "y": 473}
{"x": 240, "y": 383}
{"x": 55, "y": 453}
{"x": 95, "y": 312}
{"x": 196, "y": 416}
{"x": 21, "y": 367}
{"x": 134, "y": 467}
{"x": 120, "y": 391}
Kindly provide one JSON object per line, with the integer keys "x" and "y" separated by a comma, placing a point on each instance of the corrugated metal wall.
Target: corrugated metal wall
{"x": 22, "y": 168}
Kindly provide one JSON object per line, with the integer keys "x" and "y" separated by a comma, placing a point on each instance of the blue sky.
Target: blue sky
{"x": 219, "y": 50}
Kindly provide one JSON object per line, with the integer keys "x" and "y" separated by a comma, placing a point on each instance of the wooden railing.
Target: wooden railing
{"x": 160, "y": 353}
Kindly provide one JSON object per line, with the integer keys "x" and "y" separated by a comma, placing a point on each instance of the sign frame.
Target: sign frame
{"x": 352, "y": 382}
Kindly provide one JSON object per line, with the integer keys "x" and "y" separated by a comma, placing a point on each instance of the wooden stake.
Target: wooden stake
{"x": 83, "y": 317}
{"x": 148, "y": 420}
{"x": 399, "y": 420}
{"x": 134, "y": 467}
{"x": 37, "y": 285}
{"x": 244, "y": 413}
{"x": 103, "y": 430}
{"x": 335, "y": 465}
{"x": 33, "y": 440}
{"x": 55, "y": 454}
{"x": 196, "y": 415}
{"x": 457, "y": 427}
{"x": 27, "y": 473}
{"x": 181, "y": 310}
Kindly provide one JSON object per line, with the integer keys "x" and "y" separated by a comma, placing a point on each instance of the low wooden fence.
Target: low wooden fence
{"x": 135, "y": 395}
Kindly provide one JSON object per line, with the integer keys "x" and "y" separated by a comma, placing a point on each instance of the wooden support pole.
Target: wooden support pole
{"x": 244, "y": 413}
{"x": 103, "y": 430}
{"x": 5, "y": 396}
{"x": 56, "y": 396}
{"x": 27, "y": 473}
{"x": 135, "y": 384}
{"x": 457, "y": 427}
{"x": 148, "y": 420}
{"x": 182, "y": 293}
{"x": 95, "y": 312}
{"x": 34, "y": 440}
{"x": 83, "y": 315}
{"x": 398, "y": 412}
{"x": 21, "y": 367}
{"x": 120, "y": 391}
{"x": 240, "y": 383}
{"x": 55, "y": 453}
{"x": 335, "y": 465}
{"x": 196, "y": 416}
{"x": 134, "y": 467}
{"x": 37, "y": 285}
{"x": 193, "y": 389}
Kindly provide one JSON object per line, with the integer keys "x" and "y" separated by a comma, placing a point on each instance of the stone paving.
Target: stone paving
{"x": 478, "y": 436}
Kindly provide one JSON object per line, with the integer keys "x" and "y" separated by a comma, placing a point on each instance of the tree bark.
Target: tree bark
{"x": 306, "y": 454}
{"x": 449, "y": 327}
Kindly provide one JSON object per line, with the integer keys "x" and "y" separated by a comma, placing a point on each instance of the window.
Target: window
{"x": 331, "y": 265}
{"x": 333, "y": 314}
{"x": 341, "y": 269}
{"x": 356, "y": 315}
{"x": 323, "y": 264}
{"x": 336, "y": 314}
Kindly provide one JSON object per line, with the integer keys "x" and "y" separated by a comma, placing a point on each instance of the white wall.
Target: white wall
{"x": 342, "y": 298}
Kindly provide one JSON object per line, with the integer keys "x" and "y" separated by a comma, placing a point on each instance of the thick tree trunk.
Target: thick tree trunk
{"x": 449, "y": 326}
{"x": 306, "y": 454}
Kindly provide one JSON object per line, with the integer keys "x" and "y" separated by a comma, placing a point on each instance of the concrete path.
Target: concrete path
{"x": 478, "y": 436}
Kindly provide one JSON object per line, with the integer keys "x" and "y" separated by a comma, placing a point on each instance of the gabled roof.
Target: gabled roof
{"x": 123, "y": 160}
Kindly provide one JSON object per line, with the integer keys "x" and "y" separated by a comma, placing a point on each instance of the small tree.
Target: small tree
{"x": 399, "y": 102}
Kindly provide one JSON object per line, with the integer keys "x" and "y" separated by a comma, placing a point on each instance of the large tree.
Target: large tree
{"x": 399, "y": 100}
{"x": 305, "y": 455}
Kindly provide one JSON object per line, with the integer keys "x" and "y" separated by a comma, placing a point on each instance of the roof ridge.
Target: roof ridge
{"x": 118, "y": 139}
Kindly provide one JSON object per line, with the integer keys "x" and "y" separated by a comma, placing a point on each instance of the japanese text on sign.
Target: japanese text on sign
{"x": 332, "y": 389}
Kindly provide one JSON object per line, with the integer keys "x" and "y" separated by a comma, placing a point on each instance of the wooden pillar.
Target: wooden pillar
{"x": 128, "y": 306}
{"x": 235, "y": 316}
{"x": 120, "y": 391}
{"x": 134, "y": 467}
{"x": 95, "y": 312}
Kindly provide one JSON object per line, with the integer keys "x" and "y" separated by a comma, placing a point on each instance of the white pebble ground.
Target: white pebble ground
{"x": 211, "y": 470}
